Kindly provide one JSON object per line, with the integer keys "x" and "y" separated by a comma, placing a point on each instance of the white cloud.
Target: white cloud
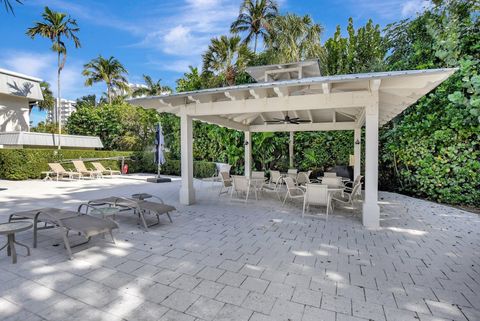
{"x": 44, "y": 66}
{"x": 413, "y": 7}
{"x": 387, "y": 9}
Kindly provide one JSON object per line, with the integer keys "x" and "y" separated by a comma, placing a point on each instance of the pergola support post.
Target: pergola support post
{"x": 187, "y": 191}
{"x": 291, "y": 143}
{"x": 248, "y": 154}
{"x": 371, "y": 210}
{"x": 357, "y": 152}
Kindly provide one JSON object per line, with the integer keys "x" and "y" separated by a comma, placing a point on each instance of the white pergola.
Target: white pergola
{"x": 343, "y": 102}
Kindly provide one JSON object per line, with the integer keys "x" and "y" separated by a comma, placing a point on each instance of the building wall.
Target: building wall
{"x": 14, "y": 114}
{"x": 67, "y": 107}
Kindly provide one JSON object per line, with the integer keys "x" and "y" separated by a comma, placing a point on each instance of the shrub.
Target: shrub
{"x": 19, "y": 164}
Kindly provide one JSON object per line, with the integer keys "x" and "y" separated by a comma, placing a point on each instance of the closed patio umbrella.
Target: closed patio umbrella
{"x": 159, "y": 155}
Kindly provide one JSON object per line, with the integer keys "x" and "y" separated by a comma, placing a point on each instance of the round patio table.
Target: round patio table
{"x": 9, "y": 229}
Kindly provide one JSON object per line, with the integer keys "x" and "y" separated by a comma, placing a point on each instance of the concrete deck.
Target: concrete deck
{"x": 222, "y": 259}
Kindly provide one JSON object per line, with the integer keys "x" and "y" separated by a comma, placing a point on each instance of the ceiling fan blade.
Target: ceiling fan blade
{"x": 273, "y": 121}
{"x": 295, "y": 118}
{"x": 303, "y": 121}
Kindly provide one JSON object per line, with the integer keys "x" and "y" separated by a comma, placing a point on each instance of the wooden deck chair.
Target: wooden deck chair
{"x": 100, "y": 168}
{"x": 60, "y": 172}
{"x": 81, "y": 168}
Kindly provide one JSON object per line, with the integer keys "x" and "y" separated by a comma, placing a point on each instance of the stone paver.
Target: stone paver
{"x": 227, "y": 260}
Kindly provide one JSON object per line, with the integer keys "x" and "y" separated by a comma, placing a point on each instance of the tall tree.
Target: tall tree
{"x": 255, "y": 19}
{"x": 57, "y": 27}
{"x": 8, "y": 5}
{"x": 363, "y": 50}
{"x": 154, "y": 88}
{"x": 227, "y": 56}
{"x": 110, "y": 71}
{"x": 48, "y": 100}
{"x": 294, "y": 38}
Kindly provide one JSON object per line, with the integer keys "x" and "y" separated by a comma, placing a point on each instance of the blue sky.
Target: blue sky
{"x": 158, "y": 38}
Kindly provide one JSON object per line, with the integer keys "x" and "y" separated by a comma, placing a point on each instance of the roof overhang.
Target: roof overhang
{"x": 12, "y": 139}
{"x": 20, "y": 85}
{"x": 330, "y": 103}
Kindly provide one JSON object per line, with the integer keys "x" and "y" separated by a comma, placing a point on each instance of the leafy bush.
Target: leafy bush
{"x": 19, "y": 164}
{"x": 201, "y": 169}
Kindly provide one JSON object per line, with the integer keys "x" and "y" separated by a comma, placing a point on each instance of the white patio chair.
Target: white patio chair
{"x": 329, "y": 174}
{"x": 293, "y": 192}
{"x": 258, "y": 174}
{"x": 347, "y": 199}
{"x": 226, "y": 182}
{"x": 316, "y": 194}
{"x": 357, "y": 180}
{"x": 332, "y": 181}
{"x": 241, "y": 185}
{"x": 303, "y": 178}
{"x": 292, "y": 172}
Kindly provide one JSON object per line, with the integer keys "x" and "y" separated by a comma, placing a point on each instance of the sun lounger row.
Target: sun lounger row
{"x": 87, "y": 225}
{"x": 57, "y": 171}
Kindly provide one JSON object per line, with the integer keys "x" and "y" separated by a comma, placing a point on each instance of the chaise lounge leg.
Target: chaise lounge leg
{"x": 67, "y": 244}
{"x": 168, "y": 214}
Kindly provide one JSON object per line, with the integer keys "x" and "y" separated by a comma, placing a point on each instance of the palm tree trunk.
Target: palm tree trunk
{"x": 59, "y": 103}
{"x": 109, "y": 97}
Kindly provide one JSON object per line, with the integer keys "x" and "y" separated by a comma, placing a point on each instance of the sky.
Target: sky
{"x": 157, "y": 38}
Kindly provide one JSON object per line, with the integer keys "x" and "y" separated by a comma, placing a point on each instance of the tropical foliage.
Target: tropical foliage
{"x": 254, "y": 19}
{"x": 293, "y": 38}
{"x": 153, "y": 88}
{"x": 120, "y": 127}
{"x": 107, "y": 70}
{"x": 58, "y": 27}
{"x": 226, "y": 56}
{"x": 8, "y": 4}
{"x": 363, "y": 50}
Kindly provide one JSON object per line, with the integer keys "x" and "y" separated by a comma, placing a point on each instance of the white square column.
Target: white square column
{"x": 371, "y": 210}
{"x": 248, "y": 154}
{"x": 187, "y": 192}
{"x": 357, "y": 152}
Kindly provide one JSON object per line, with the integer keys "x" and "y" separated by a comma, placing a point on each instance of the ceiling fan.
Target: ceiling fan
{"x": 287, "y": 120}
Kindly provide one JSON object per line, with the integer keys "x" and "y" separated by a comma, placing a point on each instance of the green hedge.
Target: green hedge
{"x": 20, "y": 164}
{"x": 144, "y": 163}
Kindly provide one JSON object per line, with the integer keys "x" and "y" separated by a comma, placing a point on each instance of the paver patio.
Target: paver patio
{"x": 227, "y": 260}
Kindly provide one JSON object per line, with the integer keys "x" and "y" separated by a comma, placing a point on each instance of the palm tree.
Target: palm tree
{"x": 254, "y": 18}
{"x": 294, "y": 38}
{"x": 56, "y": 26}
{"x": 227, "y": 56}
{"x": 8, "y": 5}
{"x": 110, "y": 71}
{"x": 154, "y": 88}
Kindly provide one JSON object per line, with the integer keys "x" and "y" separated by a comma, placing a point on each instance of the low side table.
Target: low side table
{"x": 9, "y": 229}
{"x": 105, "y": 212}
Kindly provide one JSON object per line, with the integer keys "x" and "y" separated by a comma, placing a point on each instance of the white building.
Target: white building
{"x": 17, "y": 92}
{"x": 67, "y": 107}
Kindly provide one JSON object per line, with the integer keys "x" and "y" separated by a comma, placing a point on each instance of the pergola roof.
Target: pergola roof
{"x": 329, "y": 102}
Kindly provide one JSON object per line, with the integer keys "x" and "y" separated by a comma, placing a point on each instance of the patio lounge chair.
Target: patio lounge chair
{"x": 226, "y": 183}
{"x": 347, "y": 199}
{"x": 82, "y": 169}
{"x": 60, "y": 172}
{"x": 293, "y": 191}
{"x": 99, "y": 167}
{"x": 85, "y": 225}
{"x": 316, "y": 194}
{"x": 139, "y": 207}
